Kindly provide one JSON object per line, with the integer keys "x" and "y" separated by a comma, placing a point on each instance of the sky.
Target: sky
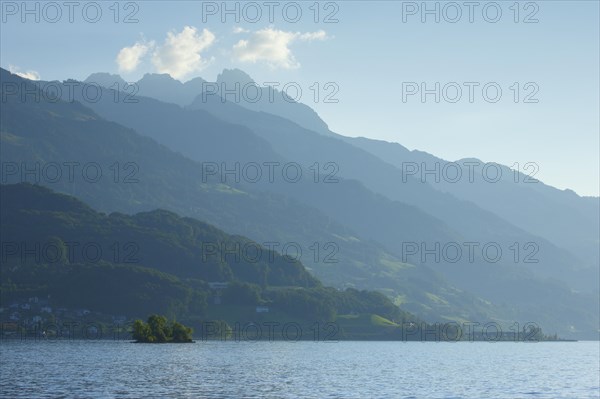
{"x": 500, "y": 81}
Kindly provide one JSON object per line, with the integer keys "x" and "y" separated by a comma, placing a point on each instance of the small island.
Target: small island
{"x": 159, "y": 330}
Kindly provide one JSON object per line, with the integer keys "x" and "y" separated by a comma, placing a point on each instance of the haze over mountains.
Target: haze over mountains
{"x": 361, "y": 195}
{"x": 573, "y": 225}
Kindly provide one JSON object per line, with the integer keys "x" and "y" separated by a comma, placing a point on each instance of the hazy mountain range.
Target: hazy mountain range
{"x": 362, "y": 196}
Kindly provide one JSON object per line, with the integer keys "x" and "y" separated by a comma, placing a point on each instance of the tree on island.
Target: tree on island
{"x": 159, "y": 330}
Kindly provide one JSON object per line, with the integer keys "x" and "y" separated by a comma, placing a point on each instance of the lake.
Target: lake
{"x": 216, "y": 369}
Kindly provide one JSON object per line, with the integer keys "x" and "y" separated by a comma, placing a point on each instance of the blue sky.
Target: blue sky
{"x": 374, "y": 53}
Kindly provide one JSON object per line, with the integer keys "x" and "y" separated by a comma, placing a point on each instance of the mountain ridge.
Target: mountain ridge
{"x": 416, "y": 288}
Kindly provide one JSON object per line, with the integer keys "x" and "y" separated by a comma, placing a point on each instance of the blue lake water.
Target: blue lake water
{"x": 80, "y": 369}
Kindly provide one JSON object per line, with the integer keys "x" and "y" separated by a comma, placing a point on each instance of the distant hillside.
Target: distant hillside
{"x": 561, "y": 216}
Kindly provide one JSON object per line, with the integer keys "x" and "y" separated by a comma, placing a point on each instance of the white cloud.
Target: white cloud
{"x": 180, "y": 54}
{"x": 129, "y": 57}
{"x": 239, "y": 29}
{"x": 318, "y": 35}
{"x": 31, "y": 75}
{"x": 273, "y": 47}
